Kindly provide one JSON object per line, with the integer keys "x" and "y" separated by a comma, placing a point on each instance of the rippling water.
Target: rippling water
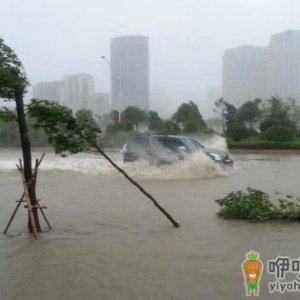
{"x": 109, "y": 242}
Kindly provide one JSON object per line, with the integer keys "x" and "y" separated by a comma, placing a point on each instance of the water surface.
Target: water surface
{"x": 109, "y": 241}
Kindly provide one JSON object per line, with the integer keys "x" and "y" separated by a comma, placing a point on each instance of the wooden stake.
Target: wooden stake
{"x": 14, "y": 213}
{"x": 26, "y": 199}
{"x": 46, "y": 220}
{"x": 31, "y": 217}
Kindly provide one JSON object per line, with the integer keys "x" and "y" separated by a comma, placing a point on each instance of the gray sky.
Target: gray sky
{"x": 187, "y": 37}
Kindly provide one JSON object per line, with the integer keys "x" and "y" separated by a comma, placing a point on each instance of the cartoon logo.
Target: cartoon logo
{"x": 252, "y": 269}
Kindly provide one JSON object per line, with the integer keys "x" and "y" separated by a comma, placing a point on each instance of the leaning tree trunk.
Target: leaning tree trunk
{"x": 26, "y": 151}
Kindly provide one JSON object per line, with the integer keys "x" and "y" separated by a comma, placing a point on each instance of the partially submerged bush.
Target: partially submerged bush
{"x": 278, "y": 133}
{"x": 257, "y": 143}
{"x": 237, "y": 132}
{"x": 255, "y": 205}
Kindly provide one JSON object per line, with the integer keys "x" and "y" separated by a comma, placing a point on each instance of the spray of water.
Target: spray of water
{"x": 213, "y": 141}
{"x": 194, "y": 166}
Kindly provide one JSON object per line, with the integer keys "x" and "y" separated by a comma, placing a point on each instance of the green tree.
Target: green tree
{"x": 294, "y": 112}
{"x": 277, "y": 113}
{"x": 227, "y": 113}
{"x": 9, "y": 133}
{"x": 249, "y": 112}
{"x": 85, "y": 117}
{"x": 133, "y": 115}
{"x": 13, "y": 84}
{"x": 155, "y": 123}
{"x": 189, "y": 112}
{"x": 67, "y": 135}
{"x": 237, "y": 132}
{"x": 114, "y": 116}
{"x": 171, "y": 127}
{"x": 278, "y": 134}
{"x": 191, "y": 127}
{"x": 112, "y": 129}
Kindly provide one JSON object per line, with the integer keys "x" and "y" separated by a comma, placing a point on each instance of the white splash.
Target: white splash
{"x": 195, "y": 166}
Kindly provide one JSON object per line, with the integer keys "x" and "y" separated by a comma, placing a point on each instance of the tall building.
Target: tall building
{"x": 48, "y": 91}
{"x": 99, "y": 103}
{"x": 244, "y": 74}
{"x": 284, "y": 64}
{"x": 74, "y": 91}
{"x": 254, "y": 72}
{"x": 77, "y": 90}
{"x": 129, "y": 72}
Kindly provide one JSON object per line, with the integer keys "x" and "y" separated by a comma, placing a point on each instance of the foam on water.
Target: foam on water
{"x": 213, "y": 141}
{"x": 196, "y": 166}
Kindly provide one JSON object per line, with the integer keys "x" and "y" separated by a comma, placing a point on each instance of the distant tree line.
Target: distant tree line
{"x": 274, "y": 120}
{"x": 186, "y": 120}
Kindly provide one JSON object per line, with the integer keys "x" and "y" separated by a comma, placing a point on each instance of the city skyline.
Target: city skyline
{"x": 75, "y": 91}
{"x": 262, "y": 72}
{"x": 188, "y": 38}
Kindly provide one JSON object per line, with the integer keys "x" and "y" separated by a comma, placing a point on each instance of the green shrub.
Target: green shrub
{"x": 191, "y": 127}
{"x": 275, "y": 121}
{"x": 257, "y": 143}
{"x": 278, "y": 133}
{"x": 116, "y": 140}
{"x": 237, "y": 132}
{"x": 255, "y": 205}
{"x": 171, "y": 127}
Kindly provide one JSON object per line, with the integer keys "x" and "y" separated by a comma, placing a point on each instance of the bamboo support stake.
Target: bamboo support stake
{"x": 27, "y": 198}
{"x": 37, "y": 164}
{"x": 45, "y": 218}
{"x": 14, "y": 213}
{"x": 31, "y": 217}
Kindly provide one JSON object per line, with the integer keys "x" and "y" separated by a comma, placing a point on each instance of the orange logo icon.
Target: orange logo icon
{"x": 252, "y": 269}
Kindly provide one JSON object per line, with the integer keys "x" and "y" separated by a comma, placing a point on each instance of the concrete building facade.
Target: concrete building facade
{"x": 48, "y": 90}
{"x": 255, "y": 72}
{"x": 129, "y": 72}
{"x": 77, "y": 90}
{"x": 244, "y": 74}
{"x": 74, "y": 91}
{"x": 284, "y": 64}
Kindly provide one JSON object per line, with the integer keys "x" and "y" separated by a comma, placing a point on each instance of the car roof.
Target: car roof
{"x": 160, "y": 136}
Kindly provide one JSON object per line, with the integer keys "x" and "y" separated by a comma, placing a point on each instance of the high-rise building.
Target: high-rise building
{"x": 244, "y": 74}
{"x": 284, "y": 64}
{"x": 254, "y": 72}
{"x": 74, "y": 91}
{"x": 129, "y": 72}
{"x": 77, "y": 90}
{"x": 99, "y": 103}
{"x": 48, "y": 90}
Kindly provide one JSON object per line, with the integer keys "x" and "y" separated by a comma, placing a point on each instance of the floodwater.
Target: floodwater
{"x": 109, "y": 242}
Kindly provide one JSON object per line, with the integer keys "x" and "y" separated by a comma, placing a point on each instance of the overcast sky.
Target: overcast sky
{"x": 187, "y": 37}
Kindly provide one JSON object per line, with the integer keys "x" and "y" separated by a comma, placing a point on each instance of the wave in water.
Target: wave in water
{"x": 196, "y": 166}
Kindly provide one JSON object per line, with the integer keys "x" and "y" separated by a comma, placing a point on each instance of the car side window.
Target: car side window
{"x": 138, "y": 144}
{"x": 172, "y": 145}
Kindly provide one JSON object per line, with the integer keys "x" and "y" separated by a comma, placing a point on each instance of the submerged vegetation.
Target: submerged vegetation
{"x": 258, "y": 206}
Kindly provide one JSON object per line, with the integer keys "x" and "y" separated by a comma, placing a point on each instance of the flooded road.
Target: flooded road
{"x": 109, "y": 241}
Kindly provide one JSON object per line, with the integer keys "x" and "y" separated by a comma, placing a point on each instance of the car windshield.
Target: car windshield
{"x": 190, "y": 146}
{"x": 196, "y": 143}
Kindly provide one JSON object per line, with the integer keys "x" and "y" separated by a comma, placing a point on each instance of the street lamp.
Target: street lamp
{"x": 121, "y": 94}
{"x": 107, "y": 61}
{"x": 119, "y": 103}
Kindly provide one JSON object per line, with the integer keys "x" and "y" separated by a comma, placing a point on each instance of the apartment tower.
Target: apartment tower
{"x": 254, "y": 72}
{"x": 129, "y": 72}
